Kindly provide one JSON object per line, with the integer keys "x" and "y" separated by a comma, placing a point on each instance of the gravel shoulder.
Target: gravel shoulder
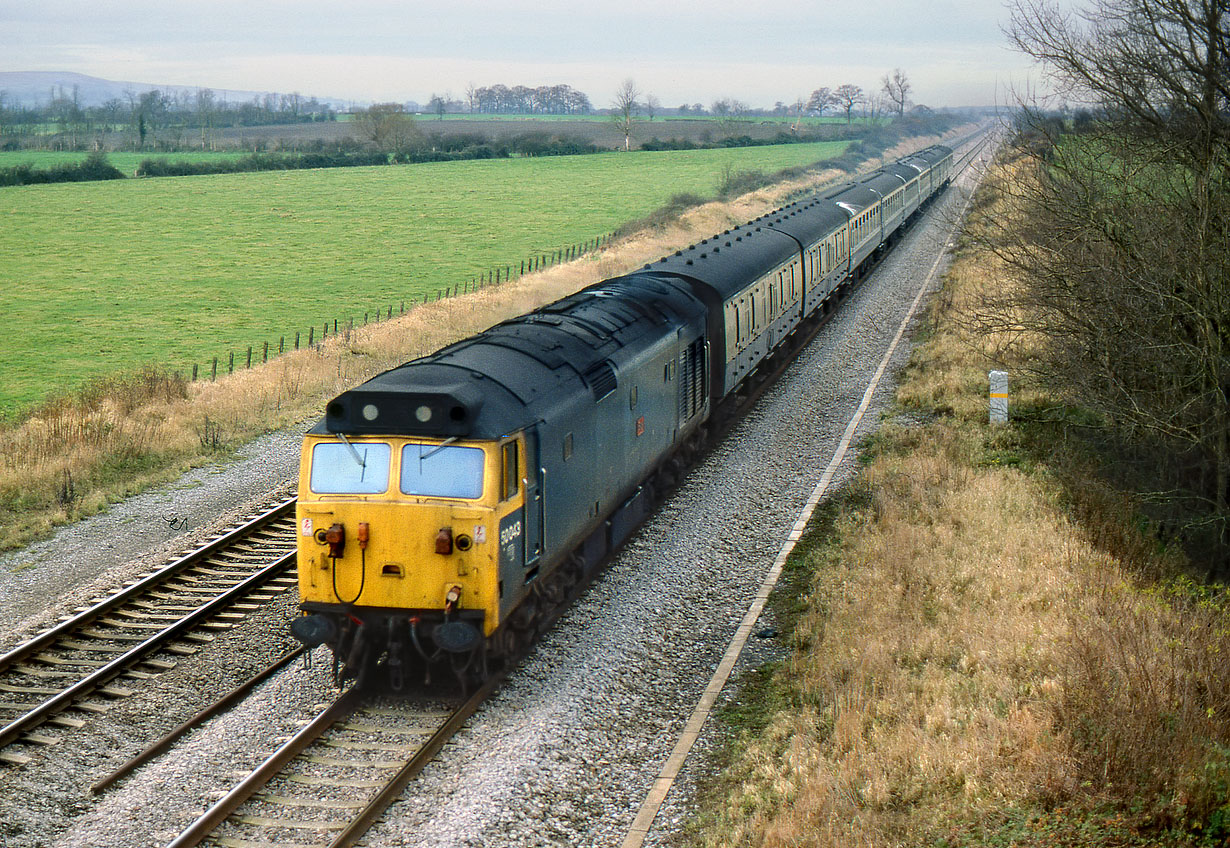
{"x": 566, "y": 752}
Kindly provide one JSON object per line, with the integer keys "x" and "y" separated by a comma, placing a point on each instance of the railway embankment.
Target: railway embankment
{"x": 989, "y": 644}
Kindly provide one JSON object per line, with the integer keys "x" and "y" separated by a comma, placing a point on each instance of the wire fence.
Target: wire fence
{"x": 257, "y": 354}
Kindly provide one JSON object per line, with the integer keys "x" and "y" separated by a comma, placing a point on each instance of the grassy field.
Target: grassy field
{"x": 105, "y": 277}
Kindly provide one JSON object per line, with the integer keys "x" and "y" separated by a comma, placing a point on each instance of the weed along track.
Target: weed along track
{"x": 57, "y": 679}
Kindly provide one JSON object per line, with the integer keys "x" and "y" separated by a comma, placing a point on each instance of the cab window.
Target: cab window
{"x": 512, "y": 473}
{"x": 447, "y": 471}
{"x": 350, "y": 469}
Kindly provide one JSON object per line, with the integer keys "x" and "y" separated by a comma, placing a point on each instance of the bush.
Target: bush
{"x": 547, "y": 144}
{"x": 261, "y": 162}
{"x": 95, "y": 167}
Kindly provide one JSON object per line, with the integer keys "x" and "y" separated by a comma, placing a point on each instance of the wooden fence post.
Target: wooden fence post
{"x": 214, "y": 375}
{"x": 230, "y": 368}
{"x": 249, "y": 365}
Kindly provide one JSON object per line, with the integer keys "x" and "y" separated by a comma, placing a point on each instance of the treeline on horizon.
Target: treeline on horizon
{"x": 349, "y": 152}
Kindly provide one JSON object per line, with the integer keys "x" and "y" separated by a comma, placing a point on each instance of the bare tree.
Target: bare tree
{"x": 820, "y": 98}
{"x": 206, "y": 109}
{"x": 623, "y": 110}
{"x": 896, "y": 87}
{"x": 847, "y": 97}
{"x": 729, "y": 113}
{"x": 1122, "y": 246}
{"x": 799, "y": 106}
{"x": 652, "y": 105}
{"x": 437, "y": 104}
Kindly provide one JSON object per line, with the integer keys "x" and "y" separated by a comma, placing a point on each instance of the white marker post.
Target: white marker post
{"x": 999, "y": 397}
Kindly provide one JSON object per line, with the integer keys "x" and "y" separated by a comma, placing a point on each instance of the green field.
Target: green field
{"x": 108, "y": 276}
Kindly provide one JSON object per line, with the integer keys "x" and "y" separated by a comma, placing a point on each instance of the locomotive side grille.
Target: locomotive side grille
{"x": 691, "y": 380}
{"x": 601, "y": 379}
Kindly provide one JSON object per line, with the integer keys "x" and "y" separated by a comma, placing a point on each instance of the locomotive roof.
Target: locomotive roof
{"x": 507, "y": 377}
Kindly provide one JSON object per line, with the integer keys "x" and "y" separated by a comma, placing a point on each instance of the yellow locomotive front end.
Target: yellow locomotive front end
{"x": 405, "y": 544}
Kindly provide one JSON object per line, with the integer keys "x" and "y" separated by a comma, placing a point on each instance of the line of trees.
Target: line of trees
{"x": 1122, "y": 250}
{"x": 894, "y": 95}
{"x": 520, "y": 99}
{"x": 154, "y": 118}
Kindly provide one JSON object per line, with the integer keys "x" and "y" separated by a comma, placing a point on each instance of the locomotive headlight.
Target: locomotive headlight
{"x": 423, "y": 414}
{"x": 371, "y": 412}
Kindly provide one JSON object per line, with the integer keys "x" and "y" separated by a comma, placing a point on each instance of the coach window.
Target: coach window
{"x": 511, "y": 471}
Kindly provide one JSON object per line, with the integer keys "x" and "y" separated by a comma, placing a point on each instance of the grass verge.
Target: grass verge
{"x": 990, "y": 647}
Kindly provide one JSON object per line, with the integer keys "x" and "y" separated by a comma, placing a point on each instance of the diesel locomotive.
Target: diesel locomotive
{"x": 447, "y": 505}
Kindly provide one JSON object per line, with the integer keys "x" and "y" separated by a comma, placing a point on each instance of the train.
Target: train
{"x": 449, "y": 506}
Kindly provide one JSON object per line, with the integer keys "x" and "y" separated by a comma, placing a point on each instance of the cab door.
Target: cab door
{"x": 533, "y": 478}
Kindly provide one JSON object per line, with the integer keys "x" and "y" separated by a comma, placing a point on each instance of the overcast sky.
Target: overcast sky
{"x": 757, "y": 51}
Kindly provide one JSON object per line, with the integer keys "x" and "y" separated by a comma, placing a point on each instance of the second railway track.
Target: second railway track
{"x": 328, "y": 783}
{"x": 52, "y": 683}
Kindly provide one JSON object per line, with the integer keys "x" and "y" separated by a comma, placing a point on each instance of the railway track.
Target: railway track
{"x": 331, "y": 781}
{"x": 54, "y": 681}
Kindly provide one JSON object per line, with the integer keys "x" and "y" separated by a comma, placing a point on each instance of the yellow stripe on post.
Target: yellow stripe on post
{"x": 999, "y": 397}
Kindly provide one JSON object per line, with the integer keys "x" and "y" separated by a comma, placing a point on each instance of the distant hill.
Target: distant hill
{"x": 34, "y": 88}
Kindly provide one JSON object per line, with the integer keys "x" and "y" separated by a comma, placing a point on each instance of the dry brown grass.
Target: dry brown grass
{"x": 992, "y": 651}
